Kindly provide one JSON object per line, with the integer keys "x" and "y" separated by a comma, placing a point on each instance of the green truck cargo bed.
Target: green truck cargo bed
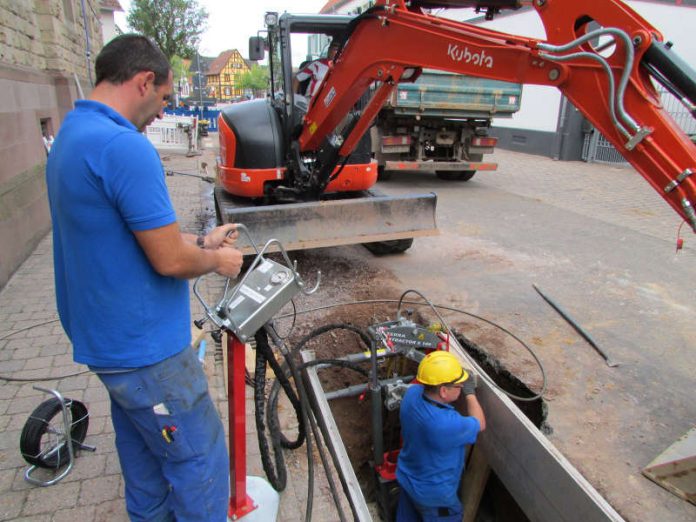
{"x": 441, "y": 94}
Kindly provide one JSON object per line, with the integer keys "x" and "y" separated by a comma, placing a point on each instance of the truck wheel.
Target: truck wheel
{"x": 466, "y": 175}
{"x": 448, "y": 175}
{"x": 395, "y": 246}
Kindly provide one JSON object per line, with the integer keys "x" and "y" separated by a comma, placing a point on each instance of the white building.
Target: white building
{"x": 107, "y": 8}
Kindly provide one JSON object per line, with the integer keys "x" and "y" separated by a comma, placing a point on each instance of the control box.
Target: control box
{"x": 258, "y": 297}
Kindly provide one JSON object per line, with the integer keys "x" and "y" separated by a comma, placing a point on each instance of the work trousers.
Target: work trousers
{"x": 410, "y": 511}
{"x": 170, "y": 442}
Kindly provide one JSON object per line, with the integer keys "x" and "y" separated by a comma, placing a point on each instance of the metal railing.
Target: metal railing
{"x": 597, "y": 149}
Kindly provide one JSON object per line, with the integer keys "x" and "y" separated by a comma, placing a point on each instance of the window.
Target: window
{"x": 227, "y": 78}
{"x": 46, "y": 133}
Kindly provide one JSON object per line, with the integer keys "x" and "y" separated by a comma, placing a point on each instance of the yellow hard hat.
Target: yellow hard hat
{"x": 440, "y": 367}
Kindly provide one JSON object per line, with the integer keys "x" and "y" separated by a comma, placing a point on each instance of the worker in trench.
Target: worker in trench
{"x": 121, "y": 270}
{"x": 435, "y": 436}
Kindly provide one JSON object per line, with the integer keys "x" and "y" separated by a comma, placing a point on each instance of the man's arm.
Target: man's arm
{"x": 474, "y": 409}
{"x": 174, "y": 254}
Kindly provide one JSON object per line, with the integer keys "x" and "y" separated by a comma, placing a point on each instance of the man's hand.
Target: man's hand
{"x": 469, "y": 386}
{"x": 224, "y": 235}
{"x": 229, "y": 261}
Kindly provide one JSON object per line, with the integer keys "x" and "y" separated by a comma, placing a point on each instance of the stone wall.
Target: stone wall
{"x": 43, "y": 69}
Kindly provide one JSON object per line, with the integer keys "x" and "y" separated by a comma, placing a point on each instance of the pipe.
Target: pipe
{"x": 357, "y": 389}
{"x": 88, "y": 47}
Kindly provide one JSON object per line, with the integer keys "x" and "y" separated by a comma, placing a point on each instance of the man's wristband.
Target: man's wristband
{"x": 200, "y": 241}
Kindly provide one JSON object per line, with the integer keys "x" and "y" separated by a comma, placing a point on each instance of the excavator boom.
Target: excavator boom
{"x": 600, "y": 54}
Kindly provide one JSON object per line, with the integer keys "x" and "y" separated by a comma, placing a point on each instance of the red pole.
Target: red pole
{"x": 240, "y": 502}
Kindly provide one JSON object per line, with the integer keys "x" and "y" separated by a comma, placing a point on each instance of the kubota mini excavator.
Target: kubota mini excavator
{"x": 297, "y": 169}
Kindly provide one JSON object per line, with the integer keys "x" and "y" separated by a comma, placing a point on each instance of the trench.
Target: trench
{"x": 353, "y": 417}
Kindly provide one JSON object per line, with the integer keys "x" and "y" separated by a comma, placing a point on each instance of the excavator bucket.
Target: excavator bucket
{"x": 367, "y": 218}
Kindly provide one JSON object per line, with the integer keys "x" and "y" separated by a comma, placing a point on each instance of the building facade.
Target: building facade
{"x": 224, "y": 76}
{"x": 47, "y": 50}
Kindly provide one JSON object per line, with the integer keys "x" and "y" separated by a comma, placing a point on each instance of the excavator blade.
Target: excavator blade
{"x": 368, "y": 218}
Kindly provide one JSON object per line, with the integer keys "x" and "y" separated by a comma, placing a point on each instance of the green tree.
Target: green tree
{"x": 256, "y": 79}
{"x": 180, "y": 72}
{"x": 175, "y": 25}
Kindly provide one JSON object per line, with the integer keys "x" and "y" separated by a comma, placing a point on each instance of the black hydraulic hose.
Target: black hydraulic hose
{"x": 265, "y": 354}
{"x": 289, "y": 367}
{"x": 304, "y": 415}
{"x": 272, "y": 415}
{"x": 276, "y": 476}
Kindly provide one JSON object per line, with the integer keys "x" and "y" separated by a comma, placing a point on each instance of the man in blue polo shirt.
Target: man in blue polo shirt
{"x": 121, "y": 270}
{"x": 435, "y": 435}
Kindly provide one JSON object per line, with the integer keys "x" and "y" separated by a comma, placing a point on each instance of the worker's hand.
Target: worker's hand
{"x": 469, "y": 386}
{"x": 224, "y": 235}
{"x": 229, "y": 261}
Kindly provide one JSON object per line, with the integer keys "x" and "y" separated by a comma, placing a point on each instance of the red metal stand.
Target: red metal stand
{"x": 240, "y": 503}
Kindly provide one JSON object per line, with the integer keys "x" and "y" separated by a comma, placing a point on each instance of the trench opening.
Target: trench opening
{"x": 353, "y": 417}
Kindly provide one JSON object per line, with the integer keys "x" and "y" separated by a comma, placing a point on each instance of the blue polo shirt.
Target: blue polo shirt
{"x": 105, "y": 181}
{"x": 431, "y": 460}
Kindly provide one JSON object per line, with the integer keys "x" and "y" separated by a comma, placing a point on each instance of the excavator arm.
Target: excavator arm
{"x": 599, "y": 53}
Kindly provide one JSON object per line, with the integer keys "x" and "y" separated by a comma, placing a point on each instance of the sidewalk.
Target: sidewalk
{"x": 33, "y": 346}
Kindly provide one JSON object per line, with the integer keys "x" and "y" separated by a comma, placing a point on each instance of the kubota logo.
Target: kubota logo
{"x": 464, "y": 55}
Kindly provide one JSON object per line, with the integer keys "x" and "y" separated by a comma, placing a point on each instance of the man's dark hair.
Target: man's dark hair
{"x": 127, "y": 55}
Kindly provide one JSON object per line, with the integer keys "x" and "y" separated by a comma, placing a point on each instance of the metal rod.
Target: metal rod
{"x": 576, "y": 326}
{"x": 357, "y": 389}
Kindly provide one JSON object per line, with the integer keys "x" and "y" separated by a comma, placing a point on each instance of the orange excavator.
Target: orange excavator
{"x": 298, "y": 169}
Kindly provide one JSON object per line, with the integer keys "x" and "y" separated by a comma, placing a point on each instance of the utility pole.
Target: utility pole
{"x": 200, "y": 80}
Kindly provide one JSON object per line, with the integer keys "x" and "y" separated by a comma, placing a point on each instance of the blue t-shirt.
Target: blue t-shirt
{"x": 105, "y": 181}
{"x": 431, "y": 460}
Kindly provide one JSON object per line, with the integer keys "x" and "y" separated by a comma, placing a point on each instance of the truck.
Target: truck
{"x": 440, "y": 123}
{"x": 300, "y": 170}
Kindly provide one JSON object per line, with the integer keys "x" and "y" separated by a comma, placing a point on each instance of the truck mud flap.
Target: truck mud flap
{"x": 367, "y": 218}
{"x": 432, "y": 166}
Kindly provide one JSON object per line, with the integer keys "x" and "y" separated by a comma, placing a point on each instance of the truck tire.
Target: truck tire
{"x": 394, "y": 246}
{"x": 448, "y": 175}
{"x": 459, "y": 175}
{"x": 383, "y": 174}
{"x": 455, "y": 175}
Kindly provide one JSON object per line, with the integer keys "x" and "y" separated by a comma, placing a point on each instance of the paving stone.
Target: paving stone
{"x": 35, "y": 518}
{"x": 27, "y": 390}
{"x": 8, "y": 390}
{"x": 51, "y": 499}
{"x": 56, "y": 347}
{"x": 79, "y": 382}
{"x": 9, "y": 367}
{"x": 113, "y": 466}
{"x": 37, "y": 363}
{"x": 11, "y": 457}
{"x": 77, "y": 514}
{"x": 99, "y": 489}
{"x": 23, "y": 405}
{"x": 87, "y": 465}
{"x": 100, "y": 408}
{"x": 111, "y": 511}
